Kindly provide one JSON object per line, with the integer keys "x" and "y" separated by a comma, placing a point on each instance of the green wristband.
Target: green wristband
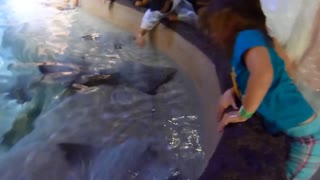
{"x": 245, "y": 114}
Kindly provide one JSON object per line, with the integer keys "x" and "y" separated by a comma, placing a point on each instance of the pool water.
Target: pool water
{"x": 118, "y": 123}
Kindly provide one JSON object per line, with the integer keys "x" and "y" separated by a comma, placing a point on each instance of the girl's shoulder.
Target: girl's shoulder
{"x": 248, "y": 39}
{"x": 245, "y": 41}
{"x": 251, "y": 36}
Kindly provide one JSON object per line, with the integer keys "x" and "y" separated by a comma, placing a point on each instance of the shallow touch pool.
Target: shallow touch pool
{"x": 132, "y": 134}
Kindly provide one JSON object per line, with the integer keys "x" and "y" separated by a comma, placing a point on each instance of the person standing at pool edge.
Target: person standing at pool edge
{"x": 262, "y": 83}
{"x": 174, "y": 10}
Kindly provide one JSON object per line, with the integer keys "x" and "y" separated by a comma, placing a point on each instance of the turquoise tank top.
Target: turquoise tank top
{"x": 284, "y": 106}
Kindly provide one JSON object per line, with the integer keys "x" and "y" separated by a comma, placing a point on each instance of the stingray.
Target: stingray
{"x": 136, "y": 75}
{"x": 117, "y": 46}
{"x": 81, "y": 78}
{"x": 21, "y": 95}
{"x": 133, "y": 159}
{"x": 16, "y": 88}
{"x": 90, "y": 37}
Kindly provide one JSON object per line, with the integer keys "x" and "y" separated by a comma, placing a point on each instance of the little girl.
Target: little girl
{"x": 262, "y": 83}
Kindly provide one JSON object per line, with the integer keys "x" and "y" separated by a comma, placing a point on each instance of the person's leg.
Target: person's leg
{"x": 304, "y": 158}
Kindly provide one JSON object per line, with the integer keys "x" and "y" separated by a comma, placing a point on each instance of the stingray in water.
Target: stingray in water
{"x": 91, "y": 37}
{"x": 141, "y": 159}
{"x": 133, "y": 159}
{"x": 80, "y": 78}
{"x": 137, "y": 75}
{"x": 16, "y": 88}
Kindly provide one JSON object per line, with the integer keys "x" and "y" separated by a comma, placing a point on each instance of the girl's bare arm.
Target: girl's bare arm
{"x": 259, "y": 64}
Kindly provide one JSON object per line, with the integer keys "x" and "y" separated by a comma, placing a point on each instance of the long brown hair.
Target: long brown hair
{"x": 222, "y": 20}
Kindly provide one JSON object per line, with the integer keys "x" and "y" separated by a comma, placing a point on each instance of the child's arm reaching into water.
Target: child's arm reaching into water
{"x": 149, "y": 21}
{"x": 140, "y": 37}
{"x": 259, "y": 65}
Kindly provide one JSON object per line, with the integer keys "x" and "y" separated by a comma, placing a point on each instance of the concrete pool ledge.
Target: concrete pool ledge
{"x": 193, "y": 61}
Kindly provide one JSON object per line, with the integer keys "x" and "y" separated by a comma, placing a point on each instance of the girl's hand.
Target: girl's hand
{"x": 227, "y": 99}
{"x": 231, "y": 117}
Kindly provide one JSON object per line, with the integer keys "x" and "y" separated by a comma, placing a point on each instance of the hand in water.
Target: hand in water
{"x": 227, "y": 99}
{"x": 231, "y": 117}
{"x": 140, "y": 40}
